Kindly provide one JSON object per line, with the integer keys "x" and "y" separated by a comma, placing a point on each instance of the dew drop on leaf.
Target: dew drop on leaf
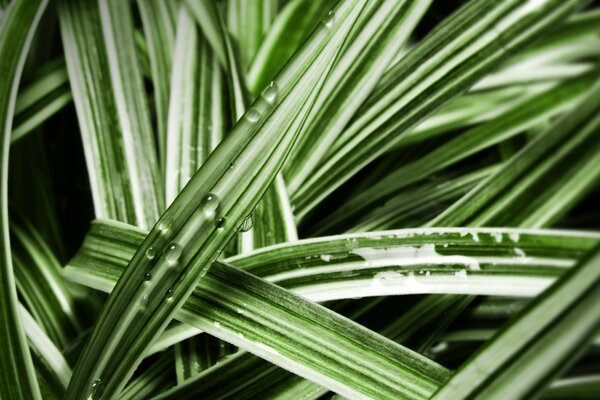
{"x": 220, "y": 222}
{"x": 165, "y": 223}
{"x": 270, "y": 93}
{"x": 172, "y": 253}
{"x": 247, "y": 224}
{"x": 252, "y": 115}
{"x": 329, "y": 20}
{"x": 150, "y": 253}
{"x": 147, "y": 276}
{"x": 169, "y": 294}
{"x": 96, "y": 389}
{"x": 210, "y": 204}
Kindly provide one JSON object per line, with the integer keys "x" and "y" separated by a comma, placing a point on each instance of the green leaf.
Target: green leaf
{"x": 362, "y": 64}
{"x": 197, "y": 120}
{"x": 543, "y": 180}
{"x": 284, "y": 329}
{"x": 158, "y": 18}
{"x": 17, "y": 26}
{"x": 41, "y": 284}
{"x": 290, "y": 28}
{"x": 248, "y": 21}
{"x": 451, "y": 59}
{"x": 107, "y": 90}
{"x": 203, "y": 218}
{"x": 547, "y": 337}
{"x": 518, "y": 118}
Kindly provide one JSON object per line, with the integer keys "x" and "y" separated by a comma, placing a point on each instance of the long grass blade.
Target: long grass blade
{"x": 17, "y": 27}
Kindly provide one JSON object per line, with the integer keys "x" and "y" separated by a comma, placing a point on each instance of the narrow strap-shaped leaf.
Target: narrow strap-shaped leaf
{"x": 458, "y": 53}
{"x": 46, "y": 94}
{"x": 518, "y": 362}
{"x": 106, "y": 85}
{"x": 158, "y": 18}
{"x": 290, "y": 28}
{"x": 270, "y": 322}
{"x": 56, "y": 370}
{"x": 197, "y": 106}
{"x": 17, "y": 26}
{"x": 420, "y": 204}
{"x": 41, "y": 284}
{"x": 514, "y": 121}
{"x": 155, "y": 379}
{"x": 520, "y": 262}
{"x": 248, "y": 21}
{"x": 361, "y": 66}
{"x": 553, "y": 158}
{"x": 204, "y": 217}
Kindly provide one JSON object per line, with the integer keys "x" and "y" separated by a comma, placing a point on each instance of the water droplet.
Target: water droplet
{"x": 217, "y": 324}
{"x": 252, "y": 115}
{"x": 210, "y": 204}
{"x": 147, "y": 276}
{"x": 169, "y": 294}
{"x": 326, "y": 257}
{"x": 329, "y": 20}
{"x": 150, "y": 253}
{"x": 270, "y": 93}
{"x": 165, "y": 223}
{"x": 172, "y": 253}
{"x": 247, "y": 224}
{"x": 96, "y": 389}
{"x": 220, "y": 222}
{"x": 230, "y": 165}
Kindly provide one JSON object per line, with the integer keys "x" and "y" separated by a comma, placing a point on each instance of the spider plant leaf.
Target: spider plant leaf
{"x": 56, "y": 370}
{"x": 125, "y": 185}
{"x": 510, "y": 123}
{"x": 204, "y": 217}
{"x": 550, "y": 333}
{"x": 158, "y": 18}
{"x": 41, "y": 285}
{"x": 197, "y": 121}
{"x": 17, "y": 27}
{"x": 361, "y": 66}
{"x": 267, "y": 332}
{"x": 520, "y": 262}
{"x": 290, "y": 28}
{"x": 248, "y": 21}
{"x": 450, "y": 60}
{"x": 558, "y": 166}
{"x": 157, "y": 378}
{"x": 420, "y": 204}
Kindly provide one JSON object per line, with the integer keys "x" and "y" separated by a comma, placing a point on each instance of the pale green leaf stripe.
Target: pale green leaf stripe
{"x": 196, "y": 122}
{"x": 517, "y": 119}
{"x": 45, "y": 348}
{"x": 105, "y": 79}
{"x": 132, "y": 109}
{"x": 204, "y": 217}
{"x": 485, "y": 261}
{"x": 544, "y": 340}
{"x": 362, "y": 64}
{"x": 276, "y": 325}
{"x": 158, "y": 19}
{"x": 458, "y": 53}
{"x": 17, "y": 27}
